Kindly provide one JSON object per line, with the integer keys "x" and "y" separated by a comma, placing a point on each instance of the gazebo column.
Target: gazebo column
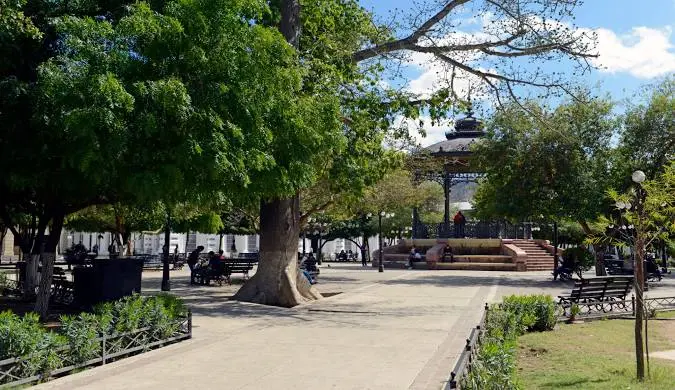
{"x": 446, "y": 213}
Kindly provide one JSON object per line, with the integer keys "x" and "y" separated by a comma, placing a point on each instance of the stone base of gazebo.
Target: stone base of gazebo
{"x": 470, "y": 254}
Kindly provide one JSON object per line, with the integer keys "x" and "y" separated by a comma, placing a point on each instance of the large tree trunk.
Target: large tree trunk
{"x": 34, "y": 249}
{"x": 48, "y": 258}
{"x": 277, "y": 281}
{"x": 599, "y": 251}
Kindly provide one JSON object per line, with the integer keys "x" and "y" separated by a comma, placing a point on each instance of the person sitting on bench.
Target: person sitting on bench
{"x": 414, "y": 256}
{"x": 566, "y": 268}
{"x": 310, "y": 263}
{"x": 447, "y": 253}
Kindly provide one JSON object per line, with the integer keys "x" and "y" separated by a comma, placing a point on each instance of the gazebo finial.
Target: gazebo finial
{"x": 469, "y": 108}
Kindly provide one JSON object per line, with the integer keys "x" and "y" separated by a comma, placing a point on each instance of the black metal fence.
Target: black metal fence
{"x": 112, "y": 347}
{"x": 475, "y": 229}
{"x": 613, "y": 308}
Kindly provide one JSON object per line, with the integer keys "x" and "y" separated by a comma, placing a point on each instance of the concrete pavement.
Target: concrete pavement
{"x": 394, "y": 330}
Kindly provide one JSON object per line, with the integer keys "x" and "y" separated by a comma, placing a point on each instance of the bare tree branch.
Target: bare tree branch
{"x": 404, "y": 44}
{"x": 519, "y": 29}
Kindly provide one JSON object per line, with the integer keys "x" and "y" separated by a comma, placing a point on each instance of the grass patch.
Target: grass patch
{"x": 594, "y": 355}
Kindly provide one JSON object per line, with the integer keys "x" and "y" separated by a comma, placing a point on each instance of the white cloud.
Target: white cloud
{"x": 434, "y": 133}
{"x": 644, "y": 52}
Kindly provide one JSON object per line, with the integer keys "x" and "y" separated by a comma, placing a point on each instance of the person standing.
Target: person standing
{"x": 192, "y": 262}
{"x": 462, "y": 224}
{"x": 457, "y": 220}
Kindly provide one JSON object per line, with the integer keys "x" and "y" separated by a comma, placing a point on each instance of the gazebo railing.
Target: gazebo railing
{"x": 476, "y": 229}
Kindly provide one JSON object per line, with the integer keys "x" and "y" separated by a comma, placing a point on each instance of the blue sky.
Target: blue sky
{"x": 636, "y": 43}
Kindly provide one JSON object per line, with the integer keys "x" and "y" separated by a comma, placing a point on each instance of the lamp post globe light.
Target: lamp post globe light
{"x": 638, "y": 177}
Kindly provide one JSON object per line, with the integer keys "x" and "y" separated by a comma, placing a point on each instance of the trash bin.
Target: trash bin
{"x": 107, "y": 280}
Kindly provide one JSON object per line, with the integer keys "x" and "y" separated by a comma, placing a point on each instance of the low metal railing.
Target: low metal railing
{"x": 112, "y": 347}
{"x": 468, "y": 356}
{"x": 613, "y": 308}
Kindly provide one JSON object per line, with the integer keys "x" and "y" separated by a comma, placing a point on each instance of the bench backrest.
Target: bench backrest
{"x": 238, "y": 260}
{"x": 602, "y": 287}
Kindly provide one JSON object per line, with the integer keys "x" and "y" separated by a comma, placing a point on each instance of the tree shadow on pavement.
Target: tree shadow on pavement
{"x": 445, "y": 280}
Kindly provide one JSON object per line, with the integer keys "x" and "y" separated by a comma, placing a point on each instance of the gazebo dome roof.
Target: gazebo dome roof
{"x": 467, "y": 131}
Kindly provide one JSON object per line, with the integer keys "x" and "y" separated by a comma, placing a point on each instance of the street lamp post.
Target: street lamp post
{"x": 381, "y": 215}
{"x": 380, "y": 267}
{"x": 635, "y": 233}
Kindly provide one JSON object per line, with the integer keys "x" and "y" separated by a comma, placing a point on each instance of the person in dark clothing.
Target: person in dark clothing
{"x": 192, "y": 260}
{"x": 214, "y": 259}
{"x": 460, "y": 222}
{"x": 310, "y": 263}
{"x": 457, "y": 220}
{"x": 364, "y": 259}
{"x": 447, "y": 254}
{"x": 565, "y": 269}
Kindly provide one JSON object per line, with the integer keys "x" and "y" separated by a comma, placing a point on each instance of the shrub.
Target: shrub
{"x": 4, "y": 281}
{"x": 25, "y": 338}
{"x": 77, "y": 341}
{"x": 82, "y": 333}
{"x": 579, "y": 258}
{"x": 495, "y": 366}
{"x": 535, "y": 313}
{"x": 173, "y": 304}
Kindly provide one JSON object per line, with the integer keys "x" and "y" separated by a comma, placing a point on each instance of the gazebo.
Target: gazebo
{"x": 448, "y": 162}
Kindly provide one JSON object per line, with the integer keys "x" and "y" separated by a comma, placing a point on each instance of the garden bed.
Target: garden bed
{"x": 517, "y": 345}
{"x": 30, "y": 353}
{"x": 594, "y": 355}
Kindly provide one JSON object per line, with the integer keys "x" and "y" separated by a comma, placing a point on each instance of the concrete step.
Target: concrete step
{"x": 482, "y": 259}
{"x": 477, "y": 266}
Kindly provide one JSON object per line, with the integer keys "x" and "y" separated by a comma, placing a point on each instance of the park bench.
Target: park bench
{"x": 600, "y": 293}
{"x": 239, "y": 265}
{"x": 205, "y": 273}
{"x": 63, "y": 290}
{"x": 178, "y": 261}
{"x": 152, "y": 262}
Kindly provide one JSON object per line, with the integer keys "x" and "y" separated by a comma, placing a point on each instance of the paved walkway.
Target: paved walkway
{"x": 392, "y": 330}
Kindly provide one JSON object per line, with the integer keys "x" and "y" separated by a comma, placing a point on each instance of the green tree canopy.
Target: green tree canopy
{"x": 550, "y": 165}
{"x": 648, "y": 136}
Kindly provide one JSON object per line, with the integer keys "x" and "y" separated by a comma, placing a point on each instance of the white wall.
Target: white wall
{"x": 149, "y": 243}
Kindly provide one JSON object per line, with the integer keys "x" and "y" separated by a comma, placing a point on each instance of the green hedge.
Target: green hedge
{"x": 75, "y": 341}
{"x": 495, "y": 368}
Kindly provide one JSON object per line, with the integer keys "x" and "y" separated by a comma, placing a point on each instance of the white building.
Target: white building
{"x": 153, "y": 243}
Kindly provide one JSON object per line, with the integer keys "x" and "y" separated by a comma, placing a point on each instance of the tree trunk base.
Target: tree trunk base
{"x": 288, "y": 292}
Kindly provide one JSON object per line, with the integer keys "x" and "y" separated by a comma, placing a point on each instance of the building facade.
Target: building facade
{"x": 153, "y": 243}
